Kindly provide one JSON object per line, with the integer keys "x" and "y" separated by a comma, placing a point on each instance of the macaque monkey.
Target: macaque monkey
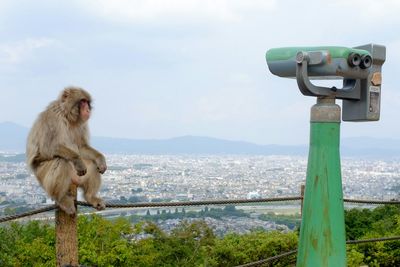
{"x": 58, "y": 150}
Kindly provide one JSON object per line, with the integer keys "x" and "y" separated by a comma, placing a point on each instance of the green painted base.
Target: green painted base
{"x": 322, "y": 234}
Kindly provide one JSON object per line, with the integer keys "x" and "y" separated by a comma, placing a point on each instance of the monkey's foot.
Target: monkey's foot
{"x": 97, "y": 203}
{"x": 67, "y": 204}
{"x": 102, "y": 168}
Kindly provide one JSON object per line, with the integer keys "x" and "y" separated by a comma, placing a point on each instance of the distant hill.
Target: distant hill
{"x": 13, "y": 138}
{"x": 191, "y": 145}
{"x": 369, "y": 146}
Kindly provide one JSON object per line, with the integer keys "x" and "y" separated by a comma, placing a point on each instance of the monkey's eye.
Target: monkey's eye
{"x": 85, "y": 102}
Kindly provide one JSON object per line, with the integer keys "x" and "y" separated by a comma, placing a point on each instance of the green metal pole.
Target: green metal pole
{"x": 322, "y": 234}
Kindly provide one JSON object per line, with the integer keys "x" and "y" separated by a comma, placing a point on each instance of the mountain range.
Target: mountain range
{"x": 13, "y": 138}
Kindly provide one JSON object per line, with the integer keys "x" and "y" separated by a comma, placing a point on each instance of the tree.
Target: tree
{"x": 27, "y": 245}
{"x": 236, "y": 249}
{"x": 105, "y": 242}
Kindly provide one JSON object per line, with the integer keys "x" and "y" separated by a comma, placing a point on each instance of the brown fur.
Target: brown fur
{"x": 58, "y": 150}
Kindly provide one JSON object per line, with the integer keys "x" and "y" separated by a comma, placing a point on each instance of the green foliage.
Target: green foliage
{"x": 354, "y": 258}
{"x": 384, "y": 221}
{"x": 119, "y": 243}
{"x": 101, "y": 242}
{"x": 216, "y": 213}
{"x": 187, "y": 245}
{"x": 30, "y": 244}
{"x": 358, "y": 222}
{"x": 236, "y": 249}
{"x": 291, "y": 221}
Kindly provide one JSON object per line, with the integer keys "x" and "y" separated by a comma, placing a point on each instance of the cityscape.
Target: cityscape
{"x": 172, "y": 178}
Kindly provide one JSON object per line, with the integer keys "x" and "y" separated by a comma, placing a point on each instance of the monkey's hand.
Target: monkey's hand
{"x": 80, "y": 167}
{"x": 101, "y": 164}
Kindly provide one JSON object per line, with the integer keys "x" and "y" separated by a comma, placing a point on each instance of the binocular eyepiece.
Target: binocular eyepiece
{"x": 358, "y": 67}
{"x": 364, "y": 61}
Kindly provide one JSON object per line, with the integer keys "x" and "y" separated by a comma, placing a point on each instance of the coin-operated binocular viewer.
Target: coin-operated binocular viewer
{"x": 322, "y": 234}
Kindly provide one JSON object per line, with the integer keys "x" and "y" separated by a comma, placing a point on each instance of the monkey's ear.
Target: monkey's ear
{"x": 65, "y": 94}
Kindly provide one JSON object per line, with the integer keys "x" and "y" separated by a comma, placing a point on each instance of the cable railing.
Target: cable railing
{"x": 189, "y": 203}
{"x": 219, "y": 202}
{"x": 269, "y": 260}
{"x": 155, "y": 205}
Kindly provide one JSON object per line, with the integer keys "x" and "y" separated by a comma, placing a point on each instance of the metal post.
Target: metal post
{"x": 322, "y": 235}
{"x": 302, "y": 189}
{"x": 67, "y": 236}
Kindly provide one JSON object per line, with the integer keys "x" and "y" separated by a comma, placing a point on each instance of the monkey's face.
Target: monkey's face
{"x": 85, "y": 109}
{"x": 76, "y": 104}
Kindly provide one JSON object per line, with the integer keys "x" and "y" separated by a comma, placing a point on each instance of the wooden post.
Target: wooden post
{"x": 302, "y": 188}
{"x": 67, "y": 236}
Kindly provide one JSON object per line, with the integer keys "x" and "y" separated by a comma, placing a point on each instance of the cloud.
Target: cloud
{"x": 184, "y": 67}
{"x": 16, "y": 52}
{"x": 148, "y": 10}
{"x": 368, "y": 9}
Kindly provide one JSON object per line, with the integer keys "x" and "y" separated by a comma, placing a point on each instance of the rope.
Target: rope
{"x": 269, "y": 260}
{"x": 391, "y": 202}
{"x": 193, "y": 203}
{"x": 373, "y": 240}
{"x": 155, "y": 204}
{"x": 188, "y": 203}
{"x": 289, "y": 253}
{"x": 26, "y": 214}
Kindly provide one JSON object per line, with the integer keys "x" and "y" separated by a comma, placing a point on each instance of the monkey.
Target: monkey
{"x": 58, "y": 150}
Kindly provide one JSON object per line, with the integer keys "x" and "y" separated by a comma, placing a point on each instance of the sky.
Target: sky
{"x": 166, "y": 68}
